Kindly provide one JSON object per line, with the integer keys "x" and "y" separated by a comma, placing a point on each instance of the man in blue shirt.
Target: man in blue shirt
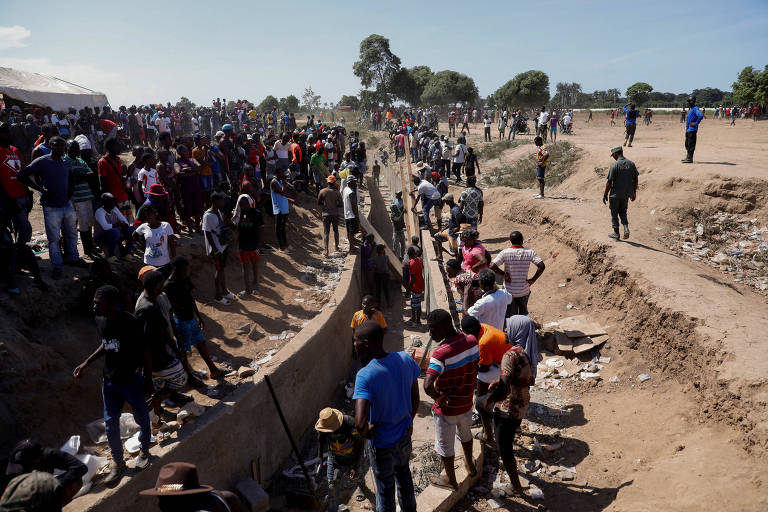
{"x": 386, "y": 400}
{"x": 49, "y": 175}
{"x": 691, "y": 128}
{"x": 630, "y": 123}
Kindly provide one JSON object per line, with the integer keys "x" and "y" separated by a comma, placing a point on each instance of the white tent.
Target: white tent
{"x": 47, "y": 91}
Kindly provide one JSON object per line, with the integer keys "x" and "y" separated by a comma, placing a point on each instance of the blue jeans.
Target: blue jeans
{"x": 110, "y": 239}
{"x": 58, "y": 220}
{"x": 391, "y": 471}
{"x": 115, "y": 396}
{"x": 427, "y": 205}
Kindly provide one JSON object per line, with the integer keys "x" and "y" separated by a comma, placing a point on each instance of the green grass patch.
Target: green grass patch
{"x": 495, "y": 149}
{"x": 563, "y": 157}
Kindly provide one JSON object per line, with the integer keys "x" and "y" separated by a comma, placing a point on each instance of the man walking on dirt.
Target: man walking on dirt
{"x": 542, "y": 127}
{"x": 630, "y": 123}
{"x": 622, "y": 186}
{"x": 691, "y": 129}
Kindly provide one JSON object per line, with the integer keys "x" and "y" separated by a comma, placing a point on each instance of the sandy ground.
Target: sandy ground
{"x": 692, "y": 437}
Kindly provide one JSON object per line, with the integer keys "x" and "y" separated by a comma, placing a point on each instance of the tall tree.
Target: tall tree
{"x": 408, "y": 83}
{"x": 639, "y": 93}
{"x": 185, "y": 103}
{"x": 709, "y": 96}
{"x": 350, "y": 101}
{"x": 310, "y": 100}
{"x": 524, "y": 90}
{"x": 567, "y": 94}
{"x": 745, "y": 87}
{"x": 267, "y": 103}
{"x": 449, "y": 87}
{"x": 377, "y": 65}
{"x": 289, "y": 103}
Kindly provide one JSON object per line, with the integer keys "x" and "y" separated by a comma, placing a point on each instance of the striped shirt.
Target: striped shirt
{"x": 454, "y": 363}
{"x": 81, "y": 191}
{"x": 517, "y": 261}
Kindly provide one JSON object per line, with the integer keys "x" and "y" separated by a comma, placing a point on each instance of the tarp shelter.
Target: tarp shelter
{"x": 47, "y": 91}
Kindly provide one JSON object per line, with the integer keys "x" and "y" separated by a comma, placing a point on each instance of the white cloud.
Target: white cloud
{"x": 13, "y": 37}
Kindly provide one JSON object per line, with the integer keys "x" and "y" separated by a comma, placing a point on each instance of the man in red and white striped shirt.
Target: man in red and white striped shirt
{"x": 450, "y": 381}
{"x": 516, "y": 262}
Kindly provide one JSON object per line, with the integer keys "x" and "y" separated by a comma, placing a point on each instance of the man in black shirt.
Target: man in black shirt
{"x": 125, "y": 354}
{"x": 29, "y": 455}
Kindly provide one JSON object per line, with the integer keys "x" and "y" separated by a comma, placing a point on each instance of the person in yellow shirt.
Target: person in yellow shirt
{"x": 252, "y": 114}
{"x": 369, "y": 312}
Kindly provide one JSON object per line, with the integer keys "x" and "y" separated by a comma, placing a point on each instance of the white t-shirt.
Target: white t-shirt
{"x": 147, "y": 178}
{"x": 460, "y": 154}
{"x": 162, "y": 124}
{"x": 491, "y": 308}
{"x": 428, "y": 191}
{"x": 567, "y": 120}
{"x": 282, "y": 150}
{"x": 487, "y": 122}
{"x": 543, "y": 118}
{"x": 212, "y": 223}
{"x": 157, "y": 252}
{"x": 349, "y": 213}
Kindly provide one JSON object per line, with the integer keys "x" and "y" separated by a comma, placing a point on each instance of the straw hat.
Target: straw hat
{"x": 329, "y": 420}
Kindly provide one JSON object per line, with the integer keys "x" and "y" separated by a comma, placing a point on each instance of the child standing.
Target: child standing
{"x": 542, "y": 158}
{"x": 249, "y": 221}
{"x": 417, "y": 284}
{"x": 188, "y": 324}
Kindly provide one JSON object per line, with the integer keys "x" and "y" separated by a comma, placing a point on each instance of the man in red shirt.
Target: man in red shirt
{"x": 15, "y": 197}
{"x": 416, "y": 283}
{"x": 450, "y": 380}
{"x": 112, "y": 174}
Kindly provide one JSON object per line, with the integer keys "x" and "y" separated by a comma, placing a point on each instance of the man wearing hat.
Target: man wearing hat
{"x": 329, "y": 200}
{"x": 345, "y": 449}
{"x": 622, "y": 186}
{"x": 28, "y": 456}
{"x": 178, "y": 489}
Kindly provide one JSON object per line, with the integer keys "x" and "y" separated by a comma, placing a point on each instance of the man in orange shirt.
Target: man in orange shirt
{"x": 369, "y": 312}
{"x": 493, "y": 345}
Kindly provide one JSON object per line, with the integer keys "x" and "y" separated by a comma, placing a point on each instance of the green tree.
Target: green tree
{"x": 524, "y": 90}
{"x": 761, "y": 93}
{"x": 377, "y": 65}
{"x": 639, "y": 93}
{"x": 447, "y": 87}
{"x": 709, "y": 96}
{"x": 350, "y": 101}
{"x": 185, "y": 103}
{"x": 408, "y": 83}
{"x": 267, "y": 104}
{"x": 310, "y": 100}
{"x": 745, "y": 87}
{"x": 567, "y": 94}
{"x": 289, "y": 103}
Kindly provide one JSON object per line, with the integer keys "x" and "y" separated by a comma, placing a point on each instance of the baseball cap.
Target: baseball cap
{"x": 331, "y": 179}
{"x": 227, "y": 127}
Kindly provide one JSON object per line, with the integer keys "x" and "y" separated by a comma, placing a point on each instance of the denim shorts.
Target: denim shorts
{"x": 189, "y": 333}
{"x": 540, "y": 172}
{"x": 206, "y": 182}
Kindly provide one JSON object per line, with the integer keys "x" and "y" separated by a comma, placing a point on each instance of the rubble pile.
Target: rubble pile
{"x": 730, "y": 243}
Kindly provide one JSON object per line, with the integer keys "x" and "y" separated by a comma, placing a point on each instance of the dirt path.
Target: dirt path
{"x": 690, "y": 326}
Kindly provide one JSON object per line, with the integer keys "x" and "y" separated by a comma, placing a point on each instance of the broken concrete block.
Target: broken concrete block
{"x": 245, "y": 372}
{"x": 254, "y": 497}
{"x": 565, "y": 476}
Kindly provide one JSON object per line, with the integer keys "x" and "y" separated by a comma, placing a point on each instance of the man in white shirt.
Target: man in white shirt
{"x": 351, "y": 212}
{"x": 491, "y": 308}
{"x": 216, "y": 247}
{"x": 516, "y": 261}
{"x": 110, "y": 228}
{"x": 486, "y": 128}
{"x": 147, "y": 176}
{"x": 428, "y": 194}
{"x": 458, "y": 160}
{"x": 542, "y": 126}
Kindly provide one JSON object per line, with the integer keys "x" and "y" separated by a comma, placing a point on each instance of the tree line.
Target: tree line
{"x": 385, "y": 82}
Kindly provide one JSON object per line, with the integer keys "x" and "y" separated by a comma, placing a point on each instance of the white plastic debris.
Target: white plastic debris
{"x": 589, "y": 375}
{"x": 72, "y": 446}
{"x": 264, "y": 360}
{"x": 133, "y": 445}
{"x": 494, "y": 503}
{"x": 614, "y": 379}
{"x": 550, "y": 324}
{"x": 643, "y": 377}
{"x": 569, "y": 306}
{"x": 554, "y": 362}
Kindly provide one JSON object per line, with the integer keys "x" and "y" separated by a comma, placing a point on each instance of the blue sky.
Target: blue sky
{"x": 139, "y": 52}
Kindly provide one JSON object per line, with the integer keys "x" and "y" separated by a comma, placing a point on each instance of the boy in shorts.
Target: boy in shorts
{"x": 187, "y": 322}
{"x": 542, "y": 156}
